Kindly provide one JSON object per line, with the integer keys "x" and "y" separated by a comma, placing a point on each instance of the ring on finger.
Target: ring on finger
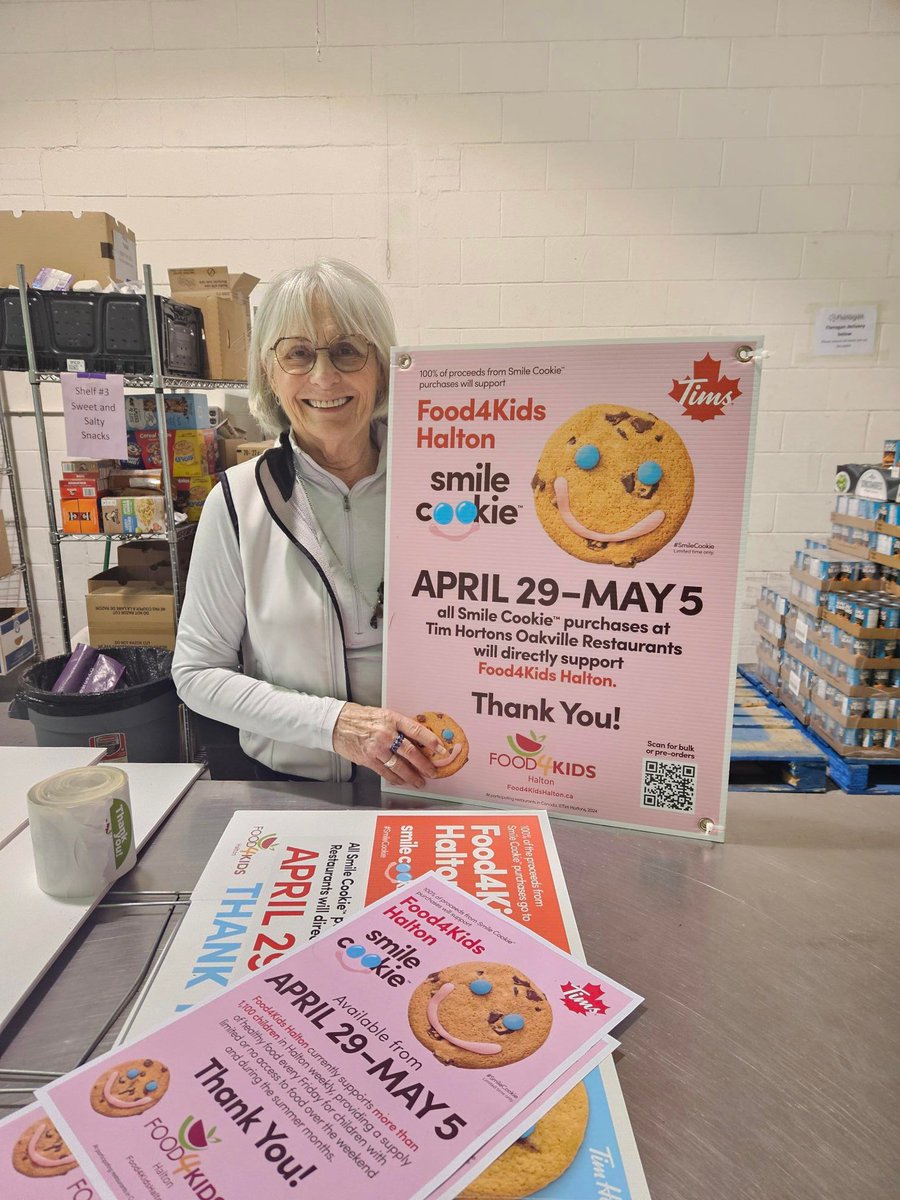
{"x": 391, "y": 762}
{"x": 397, "y": 742}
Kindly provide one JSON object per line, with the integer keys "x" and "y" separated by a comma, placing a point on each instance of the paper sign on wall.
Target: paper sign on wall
{"x": 94, "y": 407}
{"x": 846, "y": 330}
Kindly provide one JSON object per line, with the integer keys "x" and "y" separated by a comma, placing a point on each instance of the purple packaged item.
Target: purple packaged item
{"x": 103, "y": 676}
{"x": 75, "y": 672}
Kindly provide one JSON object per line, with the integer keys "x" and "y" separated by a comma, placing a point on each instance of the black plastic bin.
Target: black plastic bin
{"x": 138, "y": 721}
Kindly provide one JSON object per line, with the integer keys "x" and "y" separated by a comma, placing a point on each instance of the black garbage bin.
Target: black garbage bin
{"x": 138, "y": 721}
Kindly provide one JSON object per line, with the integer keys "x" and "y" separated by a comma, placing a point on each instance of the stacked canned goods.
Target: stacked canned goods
{"x": 869, "y": 510}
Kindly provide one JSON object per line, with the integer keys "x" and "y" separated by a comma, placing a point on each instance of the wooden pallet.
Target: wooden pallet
{"x": 855, "y": 775}
{"x": 768, "y": 752}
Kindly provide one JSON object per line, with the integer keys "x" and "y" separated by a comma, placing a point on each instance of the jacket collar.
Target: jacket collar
{"x": 280, "y": 461}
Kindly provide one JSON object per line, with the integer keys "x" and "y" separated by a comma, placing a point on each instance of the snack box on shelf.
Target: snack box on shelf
{"x": 191, "y": 451}
{"x": 186, "y": 410}
{"x": 79, "y": 503}
{"x": 133, "y": 514}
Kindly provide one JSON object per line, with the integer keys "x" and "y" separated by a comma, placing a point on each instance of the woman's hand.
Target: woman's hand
{"x": 365, "y": 736}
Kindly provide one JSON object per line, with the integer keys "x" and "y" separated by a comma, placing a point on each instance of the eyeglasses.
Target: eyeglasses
{"x": 298, "y": 356}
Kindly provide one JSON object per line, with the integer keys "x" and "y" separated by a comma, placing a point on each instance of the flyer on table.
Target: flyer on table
{"x": 278, "y": 878}
{"x": 35, "y": 1162}
{"x": 566, "y": 528}
{"x": 378, "y": 1056}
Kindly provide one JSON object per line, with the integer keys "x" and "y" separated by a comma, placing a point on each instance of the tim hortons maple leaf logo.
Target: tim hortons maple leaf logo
{"x": 583, "y": 1000}
{"x": 704, "y": 395}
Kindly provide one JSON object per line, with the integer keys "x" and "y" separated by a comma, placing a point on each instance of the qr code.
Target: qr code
{"x": 669, "y": 785}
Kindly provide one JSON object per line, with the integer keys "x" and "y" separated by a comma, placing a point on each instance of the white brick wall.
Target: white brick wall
{"x": 528, "y": 170}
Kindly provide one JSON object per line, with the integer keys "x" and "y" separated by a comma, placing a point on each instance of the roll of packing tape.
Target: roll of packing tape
{"x": 81, "y": 830}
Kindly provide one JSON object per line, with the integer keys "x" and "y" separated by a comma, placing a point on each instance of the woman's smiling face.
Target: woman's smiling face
{"x": 326, "y": 406}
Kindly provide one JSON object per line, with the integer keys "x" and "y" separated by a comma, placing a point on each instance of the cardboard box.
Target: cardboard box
{"x": 251, "y": 450}
{"x": 6, "y": 565}
{"x": 188, "y": 410}
{"x": 191, "y": 451}
{"x": 144, "y": 559}
{"x": 79, "y": 504}
{"x": 16, "y": 638}
{"x": 133, "y": 514}
{"x": 89, "y": 245}
{"x": 230, "y": 438}
{"x": 224, "y": 300}
{"x": 125, "y": 611}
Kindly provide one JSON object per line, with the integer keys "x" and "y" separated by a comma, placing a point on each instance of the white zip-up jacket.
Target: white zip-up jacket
{"x": 262, "y": 592}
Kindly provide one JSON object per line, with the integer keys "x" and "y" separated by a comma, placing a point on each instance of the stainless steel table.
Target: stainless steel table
{"x": 765, "y": 1062}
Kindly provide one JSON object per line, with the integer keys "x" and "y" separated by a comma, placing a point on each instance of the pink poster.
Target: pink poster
{"x": 566, "y": 527}
{"x": 373, "y": 1061}
{"x": 36, "y": 1163}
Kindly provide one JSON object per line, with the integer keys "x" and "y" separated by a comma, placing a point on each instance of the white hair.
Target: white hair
{"x": 289, "y": 307}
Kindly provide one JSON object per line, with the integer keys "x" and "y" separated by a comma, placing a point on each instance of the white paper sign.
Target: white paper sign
{"x": 124, "y": 257}
{"x": 802, "y": 630}
{"x": 94, "y": 407}
{"x": 846, "y": 330}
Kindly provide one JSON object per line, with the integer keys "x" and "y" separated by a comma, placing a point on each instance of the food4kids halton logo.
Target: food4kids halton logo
{"x": 530, "y": 754}
{"x": 705, "y": 394}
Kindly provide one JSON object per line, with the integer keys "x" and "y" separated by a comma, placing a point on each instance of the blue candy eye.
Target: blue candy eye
{"x": 133, "y": 1074}
{"x": 371, "y": 961}
{"x": 587, "y": 457}
{"x": 151, "y": 1086}
{"x": 650, "y": 472}
{"x": 481, "y": 987}
{"x": 513, "y": 1021}
{"x": 443, "y": 514}
{"x": 466, "y": 512}
{"x": 355, "y": 951}
{"x": 447, "y": 735}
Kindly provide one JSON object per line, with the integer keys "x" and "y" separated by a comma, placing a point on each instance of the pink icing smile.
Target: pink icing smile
{"x": 645, "y": 525}
{"x": 451, "y": 757}
{"x": 116, "y": 1101}
{"x": 434, "y": 1021}
{"x": 41, "y": 1160}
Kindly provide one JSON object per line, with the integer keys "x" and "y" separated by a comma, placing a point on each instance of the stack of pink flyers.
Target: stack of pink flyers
{"x": 391, "y": 1058}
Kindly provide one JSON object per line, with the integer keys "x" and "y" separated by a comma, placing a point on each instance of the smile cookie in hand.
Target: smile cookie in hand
{"x": 540, "y": 1155}
{"x": 479, "y": 1015}
{"x": 613, "y": 485}
{"x": 40, "y": 1152}
{"x": 453, "y": 740}
{"x": 130, "y": 1088}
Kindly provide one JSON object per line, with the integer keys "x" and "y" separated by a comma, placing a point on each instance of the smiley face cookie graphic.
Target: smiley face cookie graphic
{"x": 540, "y": 1155}
{"x": 453, "y": 739}
{"x": 40, "y": 1152}
{"x": 480, "y": 1015}
{"x": 613, "y": 485}
{"x": 130, "y": 1088}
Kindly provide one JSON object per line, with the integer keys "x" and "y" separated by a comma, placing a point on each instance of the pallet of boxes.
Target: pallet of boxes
{"x": 839, "y": 668}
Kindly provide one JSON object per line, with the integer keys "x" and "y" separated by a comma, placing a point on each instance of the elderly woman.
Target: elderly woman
{"x": 281, "y": 628}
